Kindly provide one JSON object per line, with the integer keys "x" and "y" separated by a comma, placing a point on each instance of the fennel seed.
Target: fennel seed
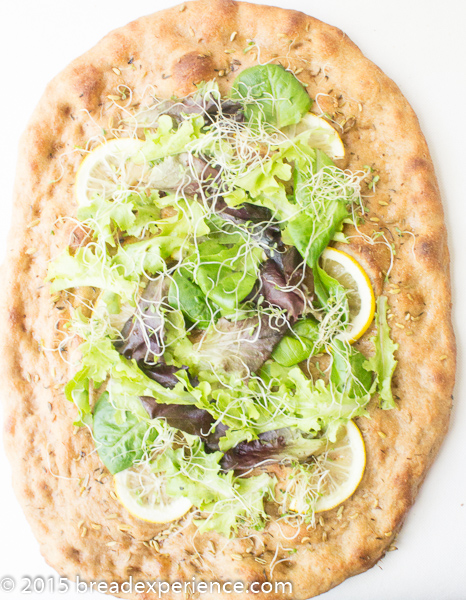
{"x": 236, "y": 556}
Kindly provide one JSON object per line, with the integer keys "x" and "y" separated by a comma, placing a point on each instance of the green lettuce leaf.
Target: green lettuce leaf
{"x": 281, "y": 398}
{"x": 147, "y": 256}
{"x": 293, "y": 349}
{"x": 383, "y": 362}
{"x": 271, "y": 95}
{"x": 330, "y": 293}
{"x": 77, "y": 391}
{"x": 89, "y": 267}
{"x": 226, "y": 275}
{"x": 105, "y": 216}
{"x": 101, "y": 361}
{"x": 265, "y": 186}
{"x": 322, "y": 215}
{"x": 185, "y": 295}
{"x": 245, "y": 508}
{"x": 169, "y": 141}
{"x": 348, "y": 373}
{"x": 230, "y": 501}
{"x": 120, "y": 443}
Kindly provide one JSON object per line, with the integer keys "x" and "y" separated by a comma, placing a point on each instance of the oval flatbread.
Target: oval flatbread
{"x": 66, "y": 492}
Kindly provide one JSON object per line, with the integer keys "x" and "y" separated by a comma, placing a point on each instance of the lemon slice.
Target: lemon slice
{"x": 142, "y": 493}
{"x": 108, "y": 169}
{"x": 353, "y": 278}
{"x": 343, "y": 466}
{"x": 323, "y": 136}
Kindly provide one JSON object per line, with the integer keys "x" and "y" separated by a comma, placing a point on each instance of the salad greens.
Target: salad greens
{"x": 383, "y": 363}
{"x": 304, "y": 343}
{"x": 120, "y": 443}
{"x": 213, "y": 304}
{"x": 272, "y": 95}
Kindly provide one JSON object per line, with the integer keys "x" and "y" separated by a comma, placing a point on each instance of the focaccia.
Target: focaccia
{"x": 398, "y": 238}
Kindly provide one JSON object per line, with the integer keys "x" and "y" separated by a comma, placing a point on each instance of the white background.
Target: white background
{"x": 421, "y": 45}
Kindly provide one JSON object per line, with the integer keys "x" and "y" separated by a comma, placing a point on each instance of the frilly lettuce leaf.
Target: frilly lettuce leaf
{"x": 265, "y": 186}
{"x": 289, "y": 399}
{"x": 101, "y": 361}
{"x": 169, "y": 141}
{"x": 246, "y": 507}
{"x": 147, "y": 256}
{"x": 119, "y": 273}
{"x": 89, "y": 266}
{"x": 104, "y": 216}
{"x": 197, "y": 479}
{"x": 383, "y": 362}
{"x": 229, "y": 500}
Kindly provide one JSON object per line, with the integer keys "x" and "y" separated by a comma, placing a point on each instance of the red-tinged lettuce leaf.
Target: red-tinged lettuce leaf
{"x": 142, "y": 333}
{"x": 242, "y": 345}
{"x": 189, "y": 419}
{"x": 272, "y": 446}
{"x": 166, "y": 375}
{"x": 276, "y": 291}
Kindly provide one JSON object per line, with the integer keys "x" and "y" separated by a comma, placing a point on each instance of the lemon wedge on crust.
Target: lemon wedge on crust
{"x": 349, "y": 273}
{"x": 142, "y": 493}
{"x": 344, "y": 464}
{"x": 322, "y": 135}
{"x": 108, "y": 169}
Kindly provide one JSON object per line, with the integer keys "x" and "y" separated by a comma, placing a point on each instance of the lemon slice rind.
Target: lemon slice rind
{"x": 345, "y": 265}
{"x": 322, "y": 135}
{"x": 88, "y": 176}
{"x": 152, "y": 513}
{"x": 347, "y": 457}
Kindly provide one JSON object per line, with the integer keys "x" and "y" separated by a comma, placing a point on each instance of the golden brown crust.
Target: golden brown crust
{"x": 64, "y": 490}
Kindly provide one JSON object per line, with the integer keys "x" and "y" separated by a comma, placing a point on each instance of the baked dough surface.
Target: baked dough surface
{"x": 63, "y": 487}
